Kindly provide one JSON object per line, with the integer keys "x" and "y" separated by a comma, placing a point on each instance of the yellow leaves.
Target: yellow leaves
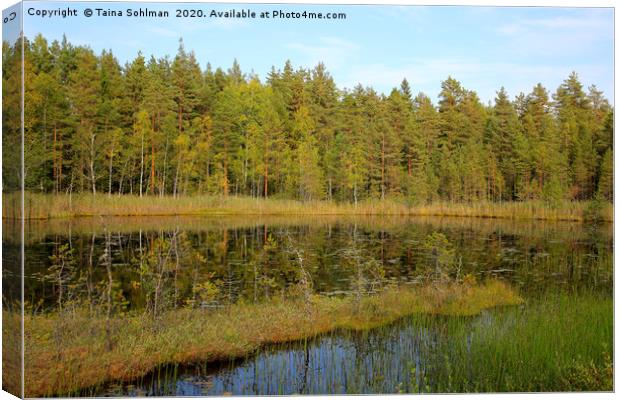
{"x": 182, "y": 141}
{"x": 469, "y": 279}
{"x": 142, "y": 124}
{"x": 206, "y": 291}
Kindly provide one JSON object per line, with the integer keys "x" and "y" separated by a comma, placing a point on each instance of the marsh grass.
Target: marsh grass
{"x": 44, "y": 206}
{"x": 67, "y": 353}
{"x": 561, "y": 343}
{"x": 11, "y": 351}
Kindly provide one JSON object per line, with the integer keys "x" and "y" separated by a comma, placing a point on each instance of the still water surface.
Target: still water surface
{"x": 249, "y": 259}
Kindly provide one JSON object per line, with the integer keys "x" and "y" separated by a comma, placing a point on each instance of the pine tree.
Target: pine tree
{"x": 158, "y": 102}
{"x": 84, "y": 92}
{"x": 354, "y": 163}
{"x": 501, "y": 128}
{"x": 165, "y": 126}
{"x": 109, "y": 116}
{"x": 405, "y": 90}
{"x": 323, "y": 99}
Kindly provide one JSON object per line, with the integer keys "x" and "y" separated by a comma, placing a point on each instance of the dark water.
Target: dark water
{"x": 253, "y": 260}
{"x": 380, "y": 361}
{"x": 74, "y": 263}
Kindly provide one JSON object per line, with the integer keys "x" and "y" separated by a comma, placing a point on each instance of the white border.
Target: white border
{"x": 523, "y": 3}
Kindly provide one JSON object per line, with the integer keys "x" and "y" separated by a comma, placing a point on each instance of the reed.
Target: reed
{"x": 563, "y": 342}
{"x": 45, "y": 206}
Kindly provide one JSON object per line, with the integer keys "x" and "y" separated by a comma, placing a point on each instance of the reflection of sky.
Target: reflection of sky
{"x": 354, "y": 363}
{"x": 483, "y": 47}
{"x": 11, "y": 29}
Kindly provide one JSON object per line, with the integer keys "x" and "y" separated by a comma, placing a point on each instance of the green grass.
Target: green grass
{"x": 42, "y": 206}
{"x": 74, "y": 351}
{"x": 560, "y": 343}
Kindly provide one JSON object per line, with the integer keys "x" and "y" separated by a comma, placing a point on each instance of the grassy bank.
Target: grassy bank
{"x": 74, "y": 351}
{"x": 560, "y": 343}
{"x": 38, "y": 206}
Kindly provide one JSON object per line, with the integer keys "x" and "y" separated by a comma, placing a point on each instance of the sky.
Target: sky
{"x": 484, "y": 48}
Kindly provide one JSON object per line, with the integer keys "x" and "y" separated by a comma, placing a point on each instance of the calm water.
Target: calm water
{"x": 251, "y": 258}
{"x": 379, "y": 361}
{"x": 403, "y": 357}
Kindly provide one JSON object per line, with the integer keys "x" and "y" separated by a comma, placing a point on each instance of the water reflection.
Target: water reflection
{"x": 209, "y": 262}
{"x": 380, "y": 361}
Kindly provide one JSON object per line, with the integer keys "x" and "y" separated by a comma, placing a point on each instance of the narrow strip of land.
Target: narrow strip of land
{"x": 40, "y": 206}
{"x": 75, "y": 350}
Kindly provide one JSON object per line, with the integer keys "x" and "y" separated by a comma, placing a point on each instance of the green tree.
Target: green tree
{"x": 606, "y": 176}
{"x": 167, "y": 127}
{"x": 84, "y": 95}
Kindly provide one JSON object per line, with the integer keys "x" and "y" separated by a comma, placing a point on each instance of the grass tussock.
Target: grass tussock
{"x": 72, "y": 352}
{"x": 45, "y": 206}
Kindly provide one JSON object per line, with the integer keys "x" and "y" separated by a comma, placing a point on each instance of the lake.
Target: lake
{"x": 125, "y": 266}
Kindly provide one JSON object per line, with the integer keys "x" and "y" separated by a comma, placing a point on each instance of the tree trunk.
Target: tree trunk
{"x": 175, "y": 188}
{"x": 59, "y": 174}
{"x": 55, "y": 172}
{"x": 383, "y": 167}
{"x": 162, "y": 191}
{"x": 225, "y": 166}
{"x": 266, "y": 178}
{"x": 92, "y": 162}
{"x": 409, "y": 164}
{"x": 329, "y": 182}
{"x": 110, "y": 170}
{"x": 152, "y": 183}
{"x": 141, "y": 162}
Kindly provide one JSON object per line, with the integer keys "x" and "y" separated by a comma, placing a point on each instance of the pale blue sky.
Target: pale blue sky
{"x": 483, "y": 47}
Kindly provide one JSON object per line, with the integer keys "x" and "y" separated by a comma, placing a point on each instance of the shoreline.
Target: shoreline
{"x": 47, "y": 207}
{"x": 185, "y": 336}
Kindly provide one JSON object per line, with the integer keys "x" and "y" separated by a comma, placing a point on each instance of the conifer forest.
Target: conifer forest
{"x": 166, "y": 126}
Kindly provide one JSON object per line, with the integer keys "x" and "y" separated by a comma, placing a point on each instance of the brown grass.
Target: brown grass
{"x": 66, "y": 354}
{"x": 11, "y": 352}
{"x": 42, "y": 206}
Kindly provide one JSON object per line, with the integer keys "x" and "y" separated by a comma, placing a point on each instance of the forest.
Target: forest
{"x": 169, "y": 127}
{"x": 291, "y": 200}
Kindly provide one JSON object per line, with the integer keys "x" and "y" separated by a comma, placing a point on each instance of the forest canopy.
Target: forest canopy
{"x": 167, "y": 127}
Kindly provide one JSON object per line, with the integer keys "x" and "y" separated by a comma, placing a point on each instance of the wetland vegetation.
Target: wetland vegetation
{"x": 277, "y": 305}
{"x": 41, "y": 206}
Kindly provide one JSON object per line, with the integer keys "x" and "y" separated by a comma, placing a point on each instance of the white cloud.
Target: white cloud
{"x": 560, "y": 35}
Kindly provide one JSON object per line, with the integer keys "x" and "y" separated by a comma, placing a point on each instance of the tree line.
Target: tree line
{"x": 166, "y": 127}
